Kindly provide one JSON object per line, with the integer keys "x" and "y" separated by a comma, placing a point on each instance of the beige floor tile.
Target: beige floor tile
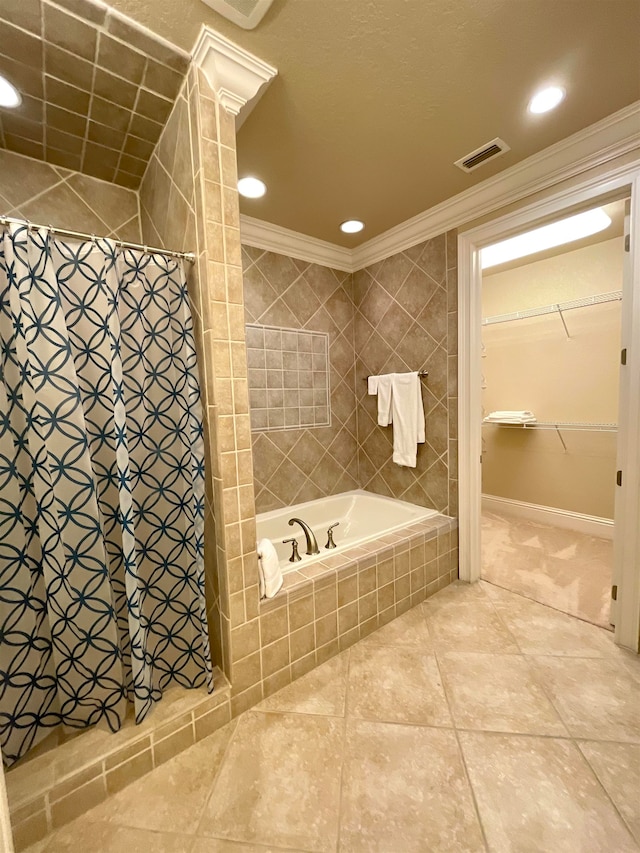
{"x": 280, "y": 783}
{"x": 499, "y": 693}
{"x": 539, "y": 794}
{"x": 597, "y": 699}
{"x": 397, "y": 684}
{"x": 540, "y": 630}
{"x": 467, "y": 626}
{"x": 410, "y": 629}
{"x": 461, "y": 591}
{"x": 404, "y": 789}
{"x": 617, "y": 765}
{"x": 172, "y": 797}
{"x": 103, "y": 837}
{"x": 321, "y": 691}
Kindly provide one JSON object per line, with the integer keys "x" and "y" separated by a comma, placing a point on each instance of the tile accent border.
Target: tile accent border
{"x": 57, "y": 801}
{"x": 288, "y": 373}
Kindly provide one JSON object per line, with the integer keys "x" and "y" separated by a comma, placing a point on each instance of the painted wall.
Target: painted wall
{"x": 532, "y": 364}
{"x": 296, "y": 465}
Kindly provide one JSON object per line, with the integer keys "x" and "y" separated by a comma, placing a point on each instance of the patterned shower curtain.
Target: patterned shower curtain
{"x": 101, "y": 486}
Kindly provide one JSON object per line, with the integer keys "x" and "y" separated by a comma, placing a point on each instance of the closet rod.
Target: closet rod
{"x": 81, "y": 235}
{"x": 559, "y": 307}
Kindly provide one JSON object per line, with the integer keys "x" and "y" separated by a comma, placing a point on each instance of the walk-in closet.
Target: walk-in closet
{"x": 550, "y": 373}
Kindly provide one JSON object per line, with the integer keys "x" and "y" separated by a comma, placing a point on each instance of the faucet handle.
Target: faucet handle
{"x": 295, "y": 557}
{"x": 330, "y": 542}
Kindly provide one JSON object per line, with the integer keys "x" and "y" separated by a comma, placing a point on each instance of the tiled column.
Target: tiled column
{"x": 225, "y": 377}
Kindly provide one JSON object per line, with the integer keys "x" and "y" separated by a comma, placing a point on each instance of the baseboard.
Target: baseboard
{"x": 592, "y": 525}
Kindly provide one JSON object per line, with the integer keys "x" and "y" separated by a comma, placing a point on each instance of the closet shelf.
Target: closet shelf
{"x": 562, "y": 425}
{"x": 558, "y": 308}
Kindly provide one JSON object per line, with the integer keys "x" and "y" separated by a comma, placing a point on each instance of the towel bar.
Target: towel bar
{"x": 421, "y": 374}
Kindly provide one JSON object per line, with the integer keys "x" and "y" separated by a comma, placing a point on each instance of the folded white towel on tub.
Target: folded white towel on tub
{"x": 269, "y": 571}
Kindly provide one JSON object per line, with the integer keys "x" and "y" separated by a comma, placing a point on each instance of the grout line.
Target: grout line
{"x": 609, "y": 796}
{"x": 460, "y": 751}
{"x": 91, "y": 96}
{"x": 344, "y": 742}
{"x": 214, "y": 782}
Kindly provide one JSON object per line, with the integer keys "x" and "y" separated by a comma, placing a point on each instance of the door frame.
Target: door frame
{"x": 627, "y": 629}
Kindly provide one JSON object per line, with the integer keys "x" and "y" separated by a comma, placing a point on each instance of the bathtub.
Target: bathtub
{"x": 363, "y": 516}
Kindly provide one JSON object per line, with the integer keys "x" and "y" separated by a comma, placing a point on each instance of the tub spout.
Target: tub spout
{"x": 312, "y": 545}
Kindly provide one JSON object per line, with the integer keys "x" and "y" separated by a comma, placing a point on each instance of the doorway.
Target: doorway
{"x": 551, "y": 337}
{"x": 625, "y": 613}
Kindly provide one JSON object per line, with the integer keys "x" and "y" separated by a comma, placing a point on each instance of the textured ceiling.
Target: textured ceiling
{"x": 375, "y": 99}
{"x": 96, "y": 91}
{"x": 373, "y": 102}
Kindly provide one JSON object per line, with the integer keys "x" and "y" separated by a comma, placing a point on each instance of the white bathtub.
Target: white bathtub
{"x": 362, "y": 515}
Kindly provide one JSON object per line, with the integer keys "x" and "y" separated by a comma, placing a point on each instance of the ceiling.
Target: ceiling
{"x": 375, "y": 99}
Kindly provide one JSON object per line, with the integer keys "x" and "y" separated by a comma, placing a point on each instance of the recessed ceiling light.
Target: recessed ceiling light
{"x": 352, "y": 226}
{"x": 251, "y": 187}
{"x": 546, "y": 99}
{"x": 9, "y": 95}
{"x": 547, "y": 237}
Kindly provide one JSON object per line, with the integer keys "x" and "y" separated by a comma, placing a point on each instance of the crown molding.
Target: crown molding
{"x": 275, "y": 238}
{"x": 595, "y": 146}
{"x": 236, "y": 76}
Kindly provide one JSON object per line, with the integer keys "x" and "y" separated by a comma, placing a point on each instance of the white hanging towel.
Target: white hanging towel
{"x": 381, "y": 385}
{"x": 269, "y": 571}
{"x": 408, "y": 418}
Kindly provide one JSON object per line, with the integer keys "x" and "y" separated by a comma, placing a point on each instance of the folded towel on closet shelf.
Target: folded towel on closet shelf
{"x": 408, "y": 418}
{"x": 519, "y": 416}
{"x": 269, "y": 571}
{"x": 381, "y": 385}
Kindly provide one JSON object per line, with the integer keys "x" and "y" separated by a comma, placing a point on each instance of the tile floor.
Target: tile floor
{"x": 479, "y": 720}
{"x": 561, "y": 568}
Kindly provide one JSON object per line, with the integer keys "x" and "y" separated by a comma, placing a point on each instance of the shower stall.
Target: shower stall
{"x": 102, "y": 592}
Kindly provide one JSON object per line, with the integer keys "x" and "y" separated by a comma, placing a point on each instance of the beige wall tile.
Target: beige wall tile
{"x": 78, "y": 802}
{"x": 177, "y": 742}
{"x": 127, "y": 772}
{"x": 212, "y": 721}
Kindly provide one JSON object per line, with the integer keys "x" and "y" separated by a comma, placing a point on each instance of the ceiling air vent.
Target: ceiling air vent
{"x": 481, "y": 155}
{"x": 245, "y": 13}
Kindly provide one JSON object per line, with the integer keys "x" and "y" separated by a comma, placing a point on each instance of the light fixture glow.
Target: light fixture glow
{"x": 352, "y": 226}
{"x": 546, "y": 99}
{"x": 556, "y": 234}
{"x": 9, "y": 95}
{"x": 251, "y": 187}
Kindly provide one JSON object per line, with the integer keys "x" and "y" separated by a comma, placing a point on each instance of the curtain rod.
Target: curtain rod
{"x": 81, "y": 235}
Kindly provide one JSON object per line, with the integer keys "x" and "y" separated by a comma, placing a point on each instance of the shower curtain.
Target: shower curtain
{"x": 101, "y": 486}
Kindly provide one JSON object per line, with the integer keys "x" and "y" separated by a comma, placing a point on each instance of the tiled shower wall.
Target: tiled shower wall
{"x": 296, "y": 465}
{"x": 406, "y": 320}
{"x": 50, "y": 195}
